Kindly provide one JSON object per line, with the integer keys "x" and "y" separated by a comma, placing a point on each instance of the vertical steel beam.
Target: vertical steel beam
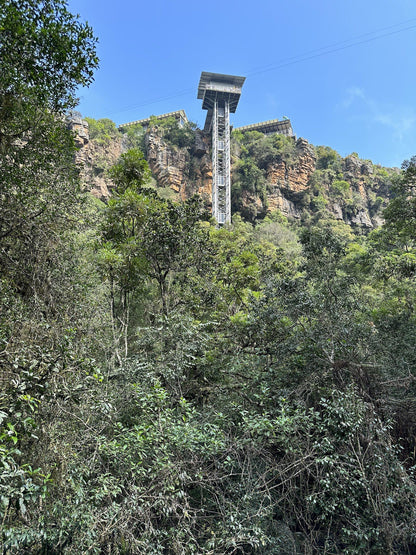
{"x": 220, "y": 94}
{"x": 214, "y": 162}
{"x": 227, "y": 155}
{"x": 221, "y": 179}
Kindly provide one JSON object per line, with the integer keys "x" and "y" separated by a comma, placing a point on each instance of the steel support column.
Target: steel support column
{"x": 220, "y": 95}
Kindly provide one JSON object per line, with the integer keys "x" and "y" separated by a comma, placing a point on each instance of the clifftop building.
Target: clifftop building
{"x": 282, "y": 127}
{"x": 179, "y": 115}
{"x": 220, "y": 95}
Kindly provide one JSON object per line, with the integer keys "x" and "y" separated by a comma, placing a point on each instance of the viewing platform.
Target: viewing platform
{"x": 220, "y": 94}
{"x": 218, "y": 88}
{"x": 214, "y": 87}
{"x": 179, "y": 115}
{"x": 282, "y": 127}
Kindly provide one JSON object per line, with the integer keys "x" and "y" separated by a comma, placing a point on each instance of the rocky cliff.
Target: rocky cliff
{"x": 94, "y": 157}
{"x": 297, "y": 178}
{"x": 268, "y": 173}
{"x": 184, "y": 170}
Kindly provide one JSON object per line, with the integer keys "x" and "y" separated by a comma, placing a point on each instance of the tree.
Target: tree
{"x": 102, "y": 131}
{"x": 147, "y": 241}
{"x": 131, "y": 172}
{"x": 181, "y": 136}
{"x": 45, "y": 54}
{"x": 400, "y": 214}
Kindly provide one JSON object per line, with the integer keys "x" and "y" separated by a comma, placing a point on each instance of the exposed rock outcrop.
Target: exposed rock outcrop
{"x": 79, "y": 126}
{"x": 95, "y": 159}
{"x": 184, "y": 170}
{"x": 294, "y": 177}
{"x": 285, "y": 178}
{"x": 290, "y": 181}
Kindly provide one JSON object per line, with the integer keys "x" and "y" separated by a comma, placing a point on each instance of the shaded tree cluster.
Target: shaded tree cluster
{"x": 168, "y": 386}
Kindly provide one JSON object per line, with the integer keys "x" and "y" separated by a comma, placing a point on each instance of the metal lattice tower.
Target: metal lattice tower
{"x": 220, "y": 95}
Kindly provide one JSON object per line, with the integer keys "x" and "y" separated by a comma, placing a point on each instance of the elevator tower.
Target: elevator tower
{"x": 220, "y": 95}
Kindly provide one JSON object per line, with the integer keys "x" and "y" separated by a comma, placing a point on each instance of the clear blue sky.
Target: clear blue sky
{"x": 343, "y": 71}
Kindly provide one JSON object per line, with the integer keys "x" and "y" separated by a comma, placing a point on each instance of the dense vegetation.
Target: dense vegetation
{"x": 266, "y": 169}
{"x": 334, "y": 182}
{"x": 170, "y": 387}
{"x": 175, "y": 135}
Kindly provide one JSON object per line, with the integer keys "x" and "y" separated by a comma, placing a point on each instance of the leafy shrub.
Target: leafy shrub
{"x": 102, "y": 131}
{"x": 250, "y": 176}
{"x": 340, "y": 188}
{"x": 257, "y": 152}
{"x": 135, "y": 136}
{"x": 266, "y": 149}
{"x": 173, "y": 133}
{"x": 326, "y": 158}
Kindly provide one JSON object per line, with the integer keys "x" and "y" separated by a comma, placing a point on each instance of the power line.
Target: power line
{"x": 323, "y": 50}
{"x": 312, "y": 54}
{"x": 327, "y": 50}
{"x": 155, "y": 100}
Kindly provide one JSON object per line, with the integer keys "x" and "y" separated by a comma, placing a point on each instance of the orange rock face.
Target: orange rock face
{"x": 284, "y": 178}
{"x": 94, "y": 159}
{"x": 177, "y": 168}
{"x": 294, "y": 177}
{"x": 188, "y": 171}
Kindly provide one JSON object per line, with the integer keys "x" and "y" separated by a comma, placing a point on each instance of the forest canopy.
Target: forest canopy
{"x": 170, "y": 386}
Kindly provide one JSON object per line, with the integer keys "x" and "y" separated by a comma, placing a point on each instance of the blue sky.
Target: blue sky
{"x": 343, "y": 71}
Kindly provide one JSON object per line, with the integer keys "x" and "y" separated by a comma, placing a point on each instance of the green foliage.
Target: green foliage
{"x": 131, "y": 172}
{"x": 341, "y": 182}
{"x": 155, "y": 237}
{"x": 266, "y": 149}
{"x": 102, "y": 131}
{"x": 257, "y": 151}
{"x": 251, "y": 177}
{"x": 336, "y": 184}
{"x": 327, "y": 158}
{"x": 319, "y": 202}
{"x": 45, "y": 54}
{"x": 39, "y": 187}
{"x": 242, "y": 415}
{"x": 182, "y": 137}
{"x": 146, "y": 242}
{"x": 279, "y": 234}
{"x": 400, "y": 214}
{"x": 135, "y": 136}
{"x": 173, "y": 133}
{"x": 167, "y": 386}
{"x": 340, "y": 188}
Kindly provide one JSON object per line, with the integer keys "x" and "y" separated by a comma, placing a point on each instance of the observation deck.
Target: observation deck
{"x": 218, "y": 86}
{"x": 179, "y": 115}
{"x": 282, "y": 127}
{"x": 220, "y": 94}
